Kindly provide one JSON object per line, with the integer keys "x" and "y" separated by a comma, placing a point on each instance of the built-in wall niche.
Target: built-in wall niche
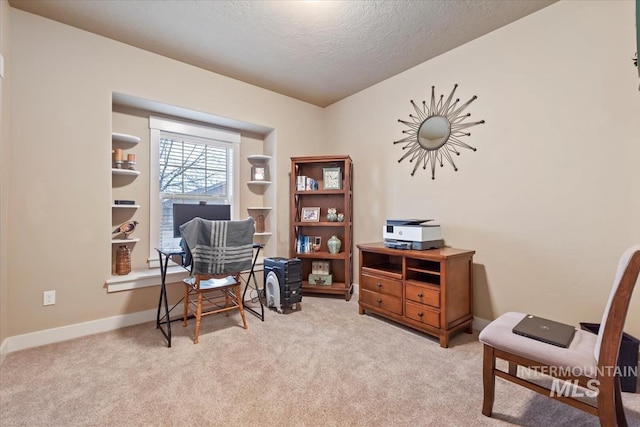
{"x": 259, "y": 169}
{"x": 123, "y": 172}
{"x": 256, "y": 199}
{"x": 258, "y": 182}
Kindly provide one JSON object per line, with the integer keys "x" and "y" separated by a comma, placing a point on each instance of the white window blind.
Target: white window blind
{"x": 192, "y": 164}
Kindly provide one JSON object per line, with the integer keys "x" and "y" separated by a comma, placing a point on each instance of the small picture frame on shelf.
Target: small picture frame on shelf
{"x": 317, "y": 243}
{"x": 310, "y": 215}
{"x": 259, "y": 173}
{"x": 332, "y": 179}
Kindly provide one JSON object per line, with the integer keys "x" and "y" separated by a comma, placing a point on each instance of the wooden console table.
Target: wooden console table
{"x": 430, "y": 290}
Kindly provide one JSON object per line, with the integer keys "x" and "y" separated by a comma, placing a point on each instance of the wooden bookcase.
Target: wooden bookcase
{"x": 430, "y": 290}
{"x": 341, "y": 263}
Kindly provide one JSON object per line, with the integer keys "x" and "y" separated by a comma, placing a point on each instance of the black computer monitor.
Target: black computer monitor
{"x": 185, "y": 212}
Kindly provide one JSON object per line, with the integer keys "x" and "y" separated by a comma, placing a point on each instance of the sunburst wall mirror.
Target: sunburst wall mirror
{"x": 434, "y": 132}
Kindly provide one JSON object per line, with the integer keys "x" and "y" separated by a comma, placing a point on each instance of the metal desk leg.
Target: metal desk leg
{"x": 252, "y": 275}
{"x": 163, "y": 296}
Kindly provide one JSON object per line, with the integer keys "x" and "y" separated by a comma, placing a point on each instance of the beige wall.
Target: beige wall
{"x": 4, "y": 172}
{"x": 60, "y": 187}
{"x": 550, "y": 199}
{"x": 546, "y": 201}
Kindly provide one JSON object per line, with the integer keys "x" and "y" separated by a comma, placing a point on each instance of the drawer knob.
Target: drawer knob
{"x": 420, "y": 295}
{"x": 379, "y": 301}
{"x": 379, "y": 285}
{"x": 420, "y": 314}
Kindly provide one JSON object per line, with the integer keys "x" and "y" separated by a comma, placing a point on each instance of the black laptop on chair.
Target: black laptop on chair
{"x": 537, "y": 328}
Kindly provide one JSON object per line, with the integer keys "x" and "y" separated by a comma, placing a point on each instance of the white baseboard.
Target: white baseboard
{"x": 3, "y": 350}
{"x": 63, "y": 333}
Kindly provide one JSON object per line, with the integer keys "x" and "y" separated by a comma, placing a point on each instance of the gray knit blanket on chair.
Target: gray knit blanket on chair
{"x": 218, "y": 247}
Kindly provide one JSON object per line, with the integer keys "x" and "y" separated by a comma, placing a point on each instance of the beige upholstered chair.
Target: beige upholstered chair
{"x": 589, "y": 361}
{"x": 218, "y": 252}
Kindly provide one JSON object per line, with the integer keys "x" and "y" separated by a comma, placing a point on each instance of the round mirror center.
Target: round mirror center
{"x": 434, "y": 132}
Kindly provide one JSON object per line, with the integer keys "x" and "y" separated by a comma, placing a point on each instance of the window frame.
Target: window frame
{"x": 157, "y": 125}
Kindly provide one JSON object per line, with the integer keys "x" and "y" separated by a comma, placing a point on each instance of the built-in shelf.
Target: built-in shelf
{"x": 127, "y": 139}
{"x": 129, "y": 172}
{"x": 121, "y": 178}
{"x": 258, "y": 158}
{"x": 122, "y": 241}
{"x": 260, "y": 176}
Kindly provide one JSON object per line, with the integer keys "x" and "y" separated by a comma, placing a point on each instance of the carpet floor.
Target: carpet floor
{"x": 320, "y": 365}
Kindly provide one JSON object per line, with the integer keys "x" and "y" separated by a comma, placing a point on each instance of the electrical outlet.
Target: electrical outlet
{"x": 49, "y": 298}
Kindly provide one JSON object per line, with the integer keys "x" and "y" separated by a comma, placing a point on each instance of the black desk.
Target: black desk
{"x": 166, "y": 254}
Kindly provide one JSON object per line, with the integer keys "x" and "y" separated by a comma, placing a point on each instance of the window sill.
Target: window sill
{"x": 138, "y": 279}
{"x": 144, "y": 278}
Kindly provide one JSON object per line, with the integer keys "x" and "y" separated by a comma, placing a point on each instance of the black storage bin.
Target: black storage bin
{"x": 627, "y": 357}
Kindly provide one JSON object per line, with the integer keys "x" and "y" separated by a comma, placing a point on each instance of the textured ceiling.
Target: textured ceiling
{"x": 315, "y": 51}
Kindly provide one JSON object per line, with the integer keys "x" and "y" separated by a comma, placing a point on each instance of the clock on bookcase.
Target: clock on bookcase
{"x": 331, "y": 178}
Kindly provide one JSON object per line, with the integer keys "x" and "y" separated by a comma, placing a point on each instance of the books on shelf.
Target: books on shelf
{"x": 304, "y": 183}
{"x": 308, "y": 244}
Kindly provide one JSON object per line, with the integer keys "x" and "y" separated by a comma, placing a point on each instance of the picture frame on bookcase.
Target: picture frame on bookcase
{"x": 310, "y": 214}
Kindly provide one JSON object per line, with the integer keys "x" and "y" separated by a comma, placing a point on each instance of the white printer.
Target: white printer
{"x": 411, "y": 234}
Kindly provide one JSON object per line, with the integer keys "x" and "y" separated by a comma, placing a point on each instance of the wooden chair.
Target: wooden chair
{"x": 590, "y": 361}
{"x": 218, "y": 252}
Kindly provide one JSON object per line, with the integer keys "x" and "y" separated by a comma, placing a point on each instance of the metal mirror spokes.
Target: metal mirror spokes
{"x": 434, "y": 132}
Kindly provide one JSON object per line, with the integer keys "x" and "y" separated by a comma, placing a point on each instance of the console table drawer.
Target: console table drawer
{"x": 385, "y": 302}
{"x": 423, "y": 295}
{"x": 381, "y": 285}
{"x": 422, "y": 314}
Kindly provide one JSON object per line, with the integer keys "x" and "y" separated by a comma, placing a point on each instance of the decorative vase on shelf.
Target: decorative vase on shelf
{"x": 332, "y": 216}
{"x": 340, "y": 217}
{"x": 260, "y": 223}
{"x": 334, "y": 244}
{"x": 123, "y": 260}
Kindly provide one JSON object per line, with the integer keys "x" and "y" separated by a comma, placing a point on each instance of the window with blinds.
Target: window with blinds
{"x": 191, "y": 170}
{"x": 189, "y": 163}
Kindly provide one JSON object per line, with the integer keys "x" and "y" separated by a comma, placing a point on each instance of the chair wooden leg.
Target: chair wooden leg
{"x": 185, "y": 312}
{"x": 620, "y": 417}
{"x": 488, "y": 380}
{"x": 240, "y": 306}
{"x": 226, "y": 301}
{"x": 198, "y": 318}
{"x": 607, "y": 403}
